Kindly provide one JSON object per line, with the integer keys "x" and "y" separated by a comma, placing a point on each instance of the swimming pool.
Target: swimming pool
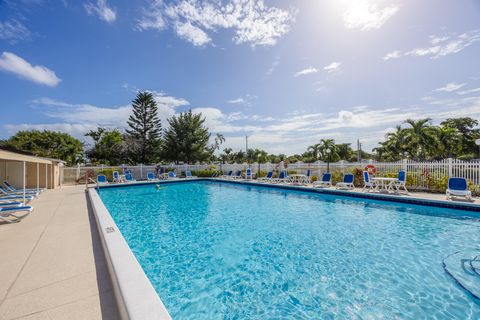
{"x": 217, "y": 250}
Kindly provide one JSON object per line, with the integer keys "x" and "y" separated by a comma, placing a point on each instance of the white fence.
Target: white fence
{"x": 421, "y": 175}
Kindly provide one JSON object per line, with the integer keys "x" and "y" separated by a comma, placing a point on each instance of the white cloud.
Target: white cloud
{"x": 246, "y": 100}
{"x": 452, "y": 86}
{"x": 392, "y": 55}
{"x": 252, "y": 21}
{"x": 273, "y": 67}
{"x": 306, "y": 71}
{"x": 237, "y": 101}
{"x": 13, "y": 31}
{"x": 152, "y": 17}
{"x": 192, "y": 34}
{"x": 367, "y": 15}
{"x": 469, "y": 91}
{"x": 102, "y": 10}
{"x": 10, "y": 62}
{"x": 441, "y": 46}
{"x": 334, "y": 66}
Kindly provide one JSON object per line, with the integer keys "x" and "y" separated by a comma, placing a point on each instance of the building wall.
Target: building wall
{"x": 13, "y": 172}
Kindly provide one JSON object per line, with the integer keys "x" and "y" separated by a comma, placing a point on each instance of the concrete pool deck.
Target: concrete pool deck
{"x": 52, "y": 263}
{"x": 53, "y": 266}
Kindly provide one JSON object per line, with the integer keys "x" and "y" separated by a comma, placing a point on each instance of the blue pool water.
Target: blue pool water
{"x": 222, "y": 251}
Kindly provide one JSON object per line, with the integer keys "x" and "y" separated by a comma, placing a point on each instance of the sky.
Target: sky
{"x": 284, "y": 73}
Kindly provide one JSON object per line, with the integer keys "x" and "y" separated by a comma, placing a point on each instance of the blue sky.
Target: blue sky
{"x": 285, "y": 73}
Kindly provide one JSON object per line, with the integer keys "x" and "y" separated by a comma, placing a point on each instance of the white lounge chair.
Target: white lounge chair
{"x": 282, "y": 177}
{"x": 9, "y": 187}
{"x": 458, "y": 188}
{"x": 116, "y": 177}
{"x": 188, "y": 175}
{"x": 268, "y": 177}
{"x": 326, "y": 181}
{"x": 9, "y": 214}
{"x": 401, "y": 182}
{"x": 248, "y": 174}
{"x": 151, "y": 176}
{"x": 237, "y": 175}
{"x": 368, "y": 184}
{"x": 227, "y": 176}
{"x": 102, "y": 179}
{"x": 347, "y": 182}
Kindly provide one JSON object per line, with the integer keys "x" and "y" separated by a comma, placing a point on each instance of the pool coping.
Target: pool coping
{"x": 135, "y": 295}
{"x": 364, "y": 195}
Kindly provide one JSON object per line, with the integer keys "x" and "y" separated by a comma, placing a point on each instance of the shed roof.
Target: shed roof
{"x": 16, "y": 156}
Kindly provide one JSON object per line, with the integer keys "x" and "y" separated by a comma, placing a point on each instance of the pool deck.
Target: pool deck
{"x": 52, "y": 263}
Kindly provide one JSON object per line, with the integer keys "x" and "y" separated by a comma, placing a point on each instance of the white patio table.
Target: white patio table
{"x": 383, "y": 183}
{"x": 298, "y": 178}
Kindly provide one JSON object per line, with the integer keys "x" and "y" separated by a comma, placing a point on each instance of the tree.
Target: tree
{"x": 226, "y": 155}
{"x": 49, "y": 144}
{"x": 107, "y": 147}
{"x": 187, "y": 139}
{"x": 325, "y": 150}
{"x": 466, "y": 127}
{"x": 145, "y": 128}
{"x": 344, "y": 150}
{"x": 421, "y": 138}
{"x": 449, "y": 143}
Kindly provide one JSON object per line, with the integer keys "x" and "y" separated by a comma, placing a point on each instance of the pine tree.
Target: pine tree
{"x": 187, "y": 139}
{"x": 145, "y": 128}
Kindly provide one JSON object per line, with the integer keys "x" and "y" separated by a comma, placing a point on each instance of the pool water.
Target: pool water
{"x": 217, "y": 250}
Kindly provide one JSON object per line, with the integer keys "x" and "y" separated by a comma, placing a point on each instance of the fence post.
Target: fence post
{"x": 342, "y": 166}
{"x": 78, "y": 171}
{"x": 450, "y": 160}
{"x": 405, "y": 165}
{"x": 141, "y": 170}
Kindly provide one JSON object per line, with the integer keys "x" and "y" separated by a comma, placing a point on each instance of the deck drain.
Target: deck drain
{"x": 109, "y": 229}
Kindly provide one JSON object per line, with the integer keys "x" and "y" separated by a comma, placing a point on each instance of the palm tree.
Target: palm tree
{"x": 421, "y": 138}
{"x": 450, "y": 141}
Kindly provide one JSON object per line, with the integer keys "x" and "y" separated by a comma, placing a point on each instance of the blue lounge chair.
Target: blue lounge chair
{"x": 151, "y": 176}
{"x": 237, "y": 175}
{"x": 116, "y": 177}
{"x": 129, "y": 177}
{"x": 10, "y": 204}
{"x": 325, "y": 182}
{"x": 171, "y": 175}
{"x": 248, "y": 174}
{"x": 368, "y": 184}
{"x": 227, "y": 176}
{"x": 188, "y": 175}
{"x": 5, "y": 192}
{"x": 102, "y": 179}
{"x": 282, "y": 177}
{"x": 458, "y": 188}
{"x": 401, "y": 182}
{"x": 16, "y": 197}
{"x": 347, "y": 182}
{"x": 268, "y": 177}
{"x": 9, "y": 187}
{"x": 9, "y": 214}
{"x": 308, "y": 174}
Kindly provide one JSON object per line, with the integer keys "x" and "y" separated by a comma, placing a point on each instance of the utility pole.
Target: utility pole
{"x": 359, "y": 155}
{"x": 246, "y": 144}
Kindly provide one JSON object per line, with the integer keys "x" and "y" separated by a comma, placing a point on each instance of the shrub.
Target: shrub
{"x": 205, "y": 173}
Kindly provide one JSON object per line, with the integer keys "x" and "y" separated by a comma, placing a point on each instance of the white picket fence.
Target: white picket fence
{"x": 419, "y": 172}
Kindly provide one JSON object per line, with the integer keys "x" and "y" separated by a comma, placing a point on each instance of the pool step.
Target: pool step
{"x": 464, "y": 268}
